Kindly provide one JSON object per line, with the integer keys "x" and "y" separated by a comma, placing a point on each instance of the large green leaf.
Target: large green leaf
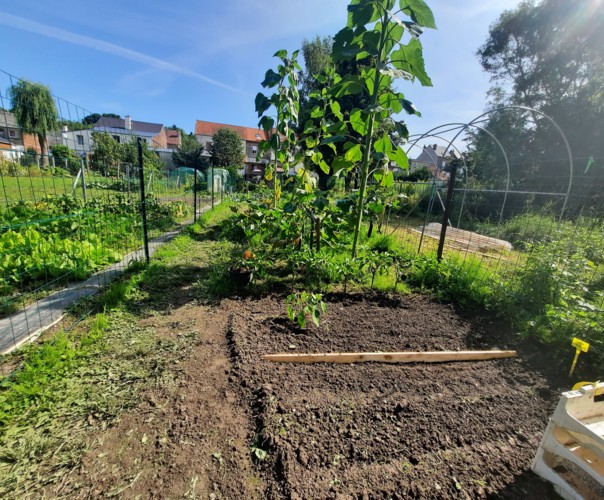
{"x": 282, "y": 54}
{"x": 359, "y": 121}
{"x": 362, "y": 13}
{"x": 271, "y": 79}
{"x": 383, "y": 144}
{"x": 410, "y": 58}
{"x": 262, "y": 103}
{"x": 354, "y": 154}
{"x": 419, "y": 12}
{"x": 340, "y": 164}
{"x": 398, "y": 156}
{"x": 267, "y": 123}
{"x": 335, "y": 109}
{"x": 345, "y": 45}
{"x": 349, "y": 85}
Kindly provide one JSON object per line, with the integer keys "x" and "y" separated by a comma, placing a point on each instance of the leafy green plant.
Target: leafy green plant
{"x": 374, "y": 32}
{"x": 304, "y": 306}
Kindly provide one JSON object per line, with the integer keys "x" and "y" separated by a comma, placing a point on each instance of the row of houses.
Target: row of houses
{"x": 164, "y": 141}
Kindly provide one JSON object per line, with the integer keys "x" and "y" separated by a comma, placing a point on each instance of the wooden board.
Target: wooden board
{"x": 389, "y": 357}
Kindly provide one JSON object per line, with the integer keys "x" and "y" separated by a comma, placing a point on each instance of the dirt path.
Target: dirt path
{"x": 188, "y": 439}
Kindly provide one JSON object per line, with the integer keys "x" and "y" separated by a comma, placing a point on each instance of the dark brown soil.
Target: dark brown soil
{"x": 364, "y": 430}
{"x": 375, "y": 430}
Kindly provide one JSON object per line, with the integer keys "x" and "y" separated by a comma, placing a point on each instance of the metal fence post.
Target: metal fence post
{"x": 83, "y": 181}
{"x": 212, "y": 187}
{"x": 448, "y": 203}
{"x": 143, "y": 204}
{"x": 194, "y": 195}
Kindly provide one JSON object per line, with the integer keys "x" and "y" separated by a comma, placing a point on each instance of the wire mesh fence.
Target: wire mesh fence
{"x": 79, "y": 203}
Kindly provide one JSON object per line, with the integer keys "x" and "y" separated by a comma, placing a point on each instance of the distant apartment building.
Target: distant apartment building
{"x": 121, "y": 129}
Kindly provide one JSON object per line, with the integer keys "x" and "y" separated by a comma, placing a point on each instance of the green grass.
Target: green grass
{"x": 81, "y": 380}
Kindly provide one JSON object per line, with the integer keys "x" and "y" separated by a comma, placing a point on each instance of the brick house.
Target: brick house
{"x": 434, "y": 158}
{"x": 250, "y": 140}
{"x": 13, "y": 138}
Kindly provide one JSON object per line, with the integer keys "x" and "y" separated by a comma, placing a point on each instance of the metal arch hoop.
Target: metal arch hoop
{"x": 462, "y": 127}
{"x": 560, "y": 131}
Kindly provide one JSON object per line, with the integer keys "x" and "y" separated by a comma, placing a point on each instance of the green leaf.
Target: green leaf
{"x": 282, "y": 54}
{"x": 383, "y": 144}
{"x": 398, "y": 156}
{"x": 333, "y": 139}
{"x": 409, "y": 58}
{"x": 335, "y": 109}
{"x": 410, "y": 108}
{"x": 419, "y": 12}
{"x": 354, "y": 154}
{"x": 262, "y": 103}
{"x": 349, "y": 85}
{"x": 362, "y": 13}
{"x": 271, "y": 79}
{"x": 340, "y": 164}
{"x": 316, "y": 112}
{"x": 391, "y": 102}
{"x": 267, "y": 123}
{"x": 359, "y": 121}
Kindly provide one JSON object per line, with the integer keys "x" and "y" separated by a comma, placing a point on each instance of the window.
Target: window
{"x": 254, "y": 150}
{"x": 2, "y": 132}
{"x": 257, "y": 136}
{"x": 13, "y": 134}
{"x": 208, "y": 145}
{"x": 80, "y": 139}
{"x": 116, "y": 138}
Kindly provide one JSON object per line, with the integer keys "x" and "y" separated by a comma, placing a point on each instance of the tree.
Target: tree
{"x": 106, "y": 151}
{"x": 226, "y": 149}
{"x": 66, "y": 158}
{"x": 190, "y": 153}
{"x": 35, "y": 111}
{"x": 317, "y": 57}
{"x": 548, "y": 56}
{"x": 94, "y": 117}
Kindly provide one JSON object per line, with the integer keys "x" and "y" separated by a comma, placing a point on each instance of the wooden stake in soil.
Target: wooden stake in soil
{"x": 389, "y": 357}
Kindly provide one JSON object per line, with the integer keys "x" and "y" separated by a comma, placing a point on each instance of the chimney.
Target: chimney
{"x": 128, "y": 122}
{"x": 65, "y": 128}
{"x": 434, "y": 147}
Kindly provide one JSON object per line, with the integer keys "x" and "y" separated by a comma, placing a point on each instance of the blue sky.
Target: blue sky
{"x": 175, "y": 62}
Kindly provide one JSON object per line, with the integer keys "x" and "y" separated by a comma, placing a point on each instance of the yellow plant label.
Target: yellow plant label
{"x": 580, "y": 345}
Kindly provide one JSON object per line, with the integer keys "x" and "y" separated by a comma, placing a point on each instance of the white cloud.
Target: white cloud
{"x": 109, "y": 48}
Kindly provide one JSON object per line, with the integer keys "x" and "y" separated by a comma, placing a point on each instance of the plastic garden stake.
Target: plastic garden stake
{"x": 580, "y": 346}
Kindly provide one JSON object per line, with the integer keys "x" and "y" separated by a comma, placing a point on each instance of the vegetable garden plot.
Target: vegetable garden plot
{"x": 378, "y": 430}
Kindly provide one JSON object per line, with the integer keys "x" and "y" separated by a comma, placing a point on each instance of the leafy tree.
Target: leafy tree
{"x": 94, "y": 117}
{"x": 106, "y": 151}
{"x": 35, "y": 111}
{"x": 317, "y": 57}
{"x": 419, "y": 174}
{"x": 548, "y": 56}
{"x": 226, "y": 149}
{"x": 66, "y": 158}
{"x": 129, "y": 154}
{"x": 190, "y": 153}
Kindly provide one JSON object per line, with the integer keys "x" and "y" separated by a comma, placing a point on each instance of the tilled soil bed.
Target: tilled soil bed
{"x": 375, "y": 430}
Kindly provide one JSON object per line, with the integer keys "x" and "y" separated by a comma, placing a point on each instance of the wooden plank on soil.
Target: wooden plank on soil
{"x": 389, "y": 357}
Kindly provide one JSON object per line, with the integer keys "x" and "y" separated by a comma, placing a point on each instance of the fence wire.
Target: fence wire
{"x": 71, "y": 220}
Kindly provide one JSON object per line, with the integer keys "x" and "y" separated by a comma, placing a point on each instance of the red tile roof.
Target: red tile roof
{"x": 248, "y": 133}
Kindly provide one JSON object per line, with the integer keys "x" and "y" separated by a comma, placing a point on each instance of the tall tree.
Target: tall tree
{"x": 227, "y": 149}
{"x": 35, "y": 111}
{"x": 546, "y": 55}
{"x": 190, "y": 153}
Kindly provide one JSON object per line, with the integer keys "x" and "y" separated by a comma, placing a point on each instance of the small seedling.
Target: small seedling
{"x": 303, "y": 306}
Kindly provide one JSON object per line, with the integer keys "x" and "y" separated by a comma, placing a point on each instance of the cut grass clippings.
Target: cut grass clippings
{"x": 80, "y": 381}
